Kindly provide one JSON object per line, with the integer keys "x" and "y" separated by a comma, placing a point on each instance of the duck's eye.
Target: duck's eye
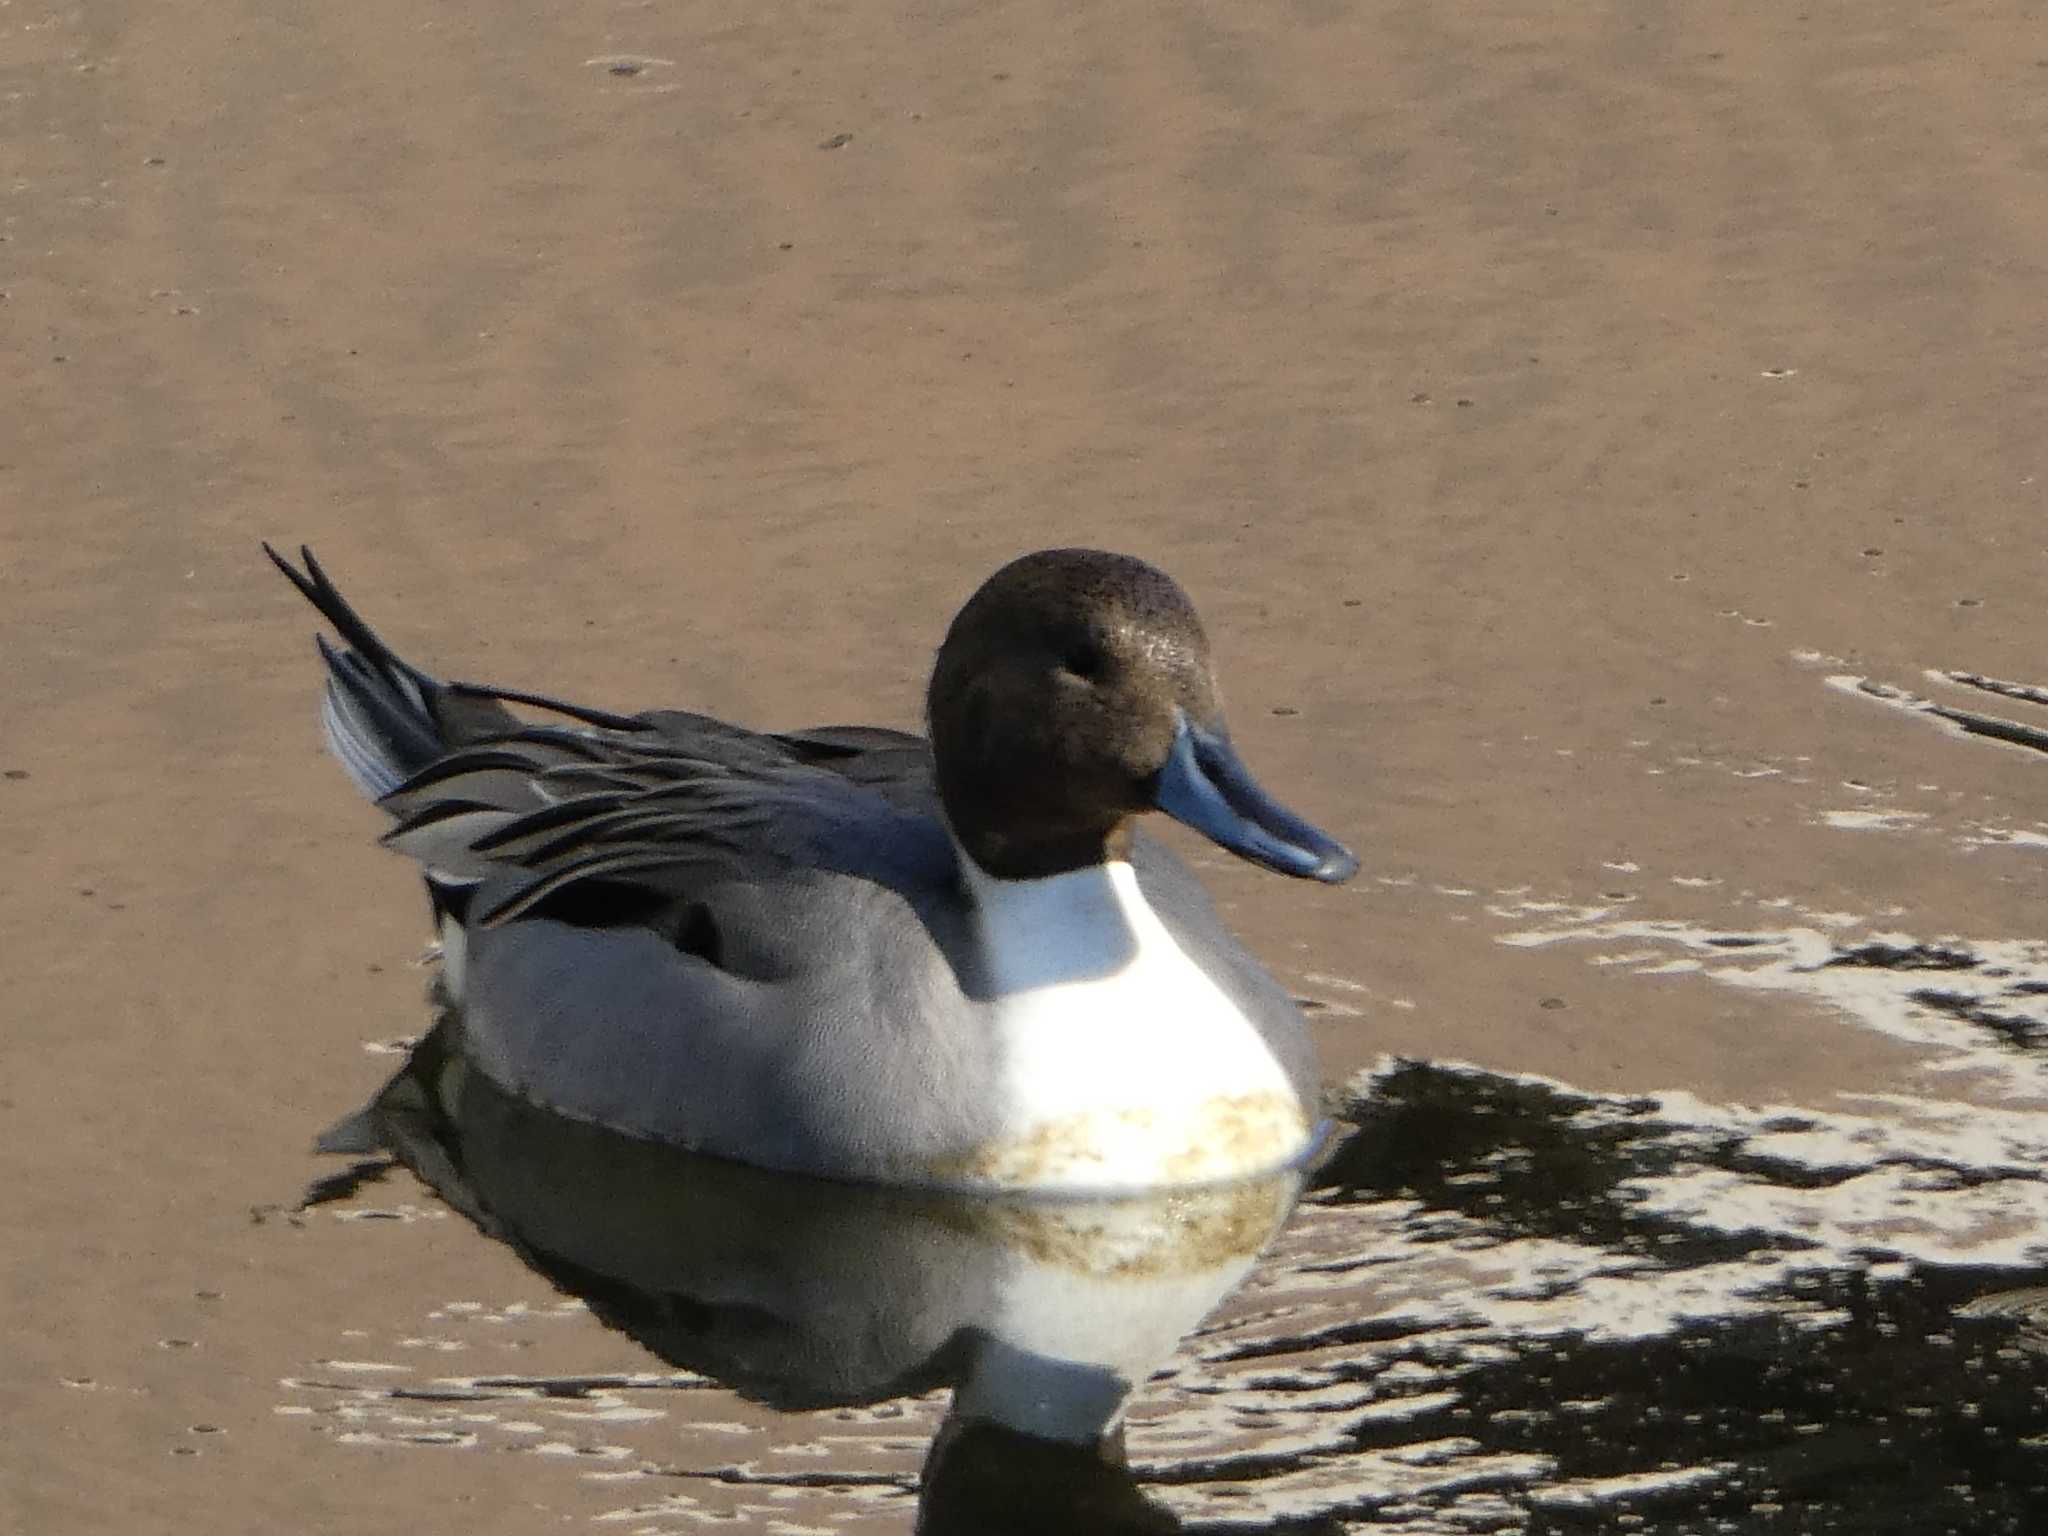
{"x": 1085, "y": 660}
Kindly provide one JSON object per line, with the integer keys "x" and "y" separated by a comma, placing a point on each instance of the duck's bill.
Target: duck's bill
{"x": 1206, "y": 785}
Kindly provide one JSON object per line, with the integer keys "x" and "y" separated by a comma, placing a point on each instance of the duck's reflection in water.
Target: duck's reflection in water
{"x": 1506, "y": 1306}
{"x": 1041, "y": 1316}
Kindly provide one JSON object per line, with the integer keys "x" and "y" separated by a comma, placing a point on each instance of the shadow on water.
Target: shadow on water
{"x": 1504, "y": 1306}
{"x": 1837, "y": 1387}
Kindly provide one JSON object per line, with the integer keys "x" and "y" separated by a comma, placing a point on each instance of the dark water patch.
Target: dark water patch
{"x": 2013, "y": 1029}
{"x": 1520, "y": 1158}
{"x": 1844, "y": 1377}
{"x": 1904, "y": 957}
{"x": 443, "y": 1395}
{"x": 1847, "y": 1403}
{"x": 579, "y": 1388}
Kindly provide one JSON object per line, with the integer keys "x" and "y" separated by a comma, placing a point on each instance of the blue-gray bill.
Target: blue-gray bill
{"x": 1206, "y": 785}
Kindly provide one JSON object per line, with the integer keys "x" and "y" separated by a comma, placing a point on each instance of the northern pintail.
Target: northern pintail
{"x": 847, "y": 952}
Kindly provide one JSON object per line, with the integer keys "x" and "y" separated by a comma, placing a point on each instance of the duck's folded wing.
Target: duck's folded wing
{"x": 673, "y": 805}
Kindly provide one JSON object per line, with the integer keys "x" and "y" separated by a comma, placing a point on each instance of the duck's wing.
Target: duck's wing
{"x": 615, "y": 825}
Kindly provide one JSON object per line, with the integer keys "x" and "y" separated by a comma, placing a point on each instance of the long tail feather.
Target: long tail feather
{"x": 378, "y": 714}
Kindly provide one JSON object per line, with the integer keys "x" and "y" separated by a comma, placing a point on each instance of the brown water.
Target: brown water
{"x": 1540, "y": 409}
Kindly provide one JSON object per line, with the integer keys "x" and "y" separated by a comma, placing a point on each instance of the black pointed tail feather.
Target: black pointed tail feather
{"x": 381, "y": 713}
{"x": 385, "y": 719}
{"x": 318, "y": 589}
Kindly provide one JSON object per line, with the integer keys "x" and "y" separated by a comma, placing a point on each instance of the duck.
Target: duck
{"x": 955, "y": 962}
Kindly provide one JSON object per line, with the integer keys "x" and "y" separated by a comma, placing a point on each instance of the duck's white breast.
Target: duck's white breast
{"x": 1123, "y": 1064}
